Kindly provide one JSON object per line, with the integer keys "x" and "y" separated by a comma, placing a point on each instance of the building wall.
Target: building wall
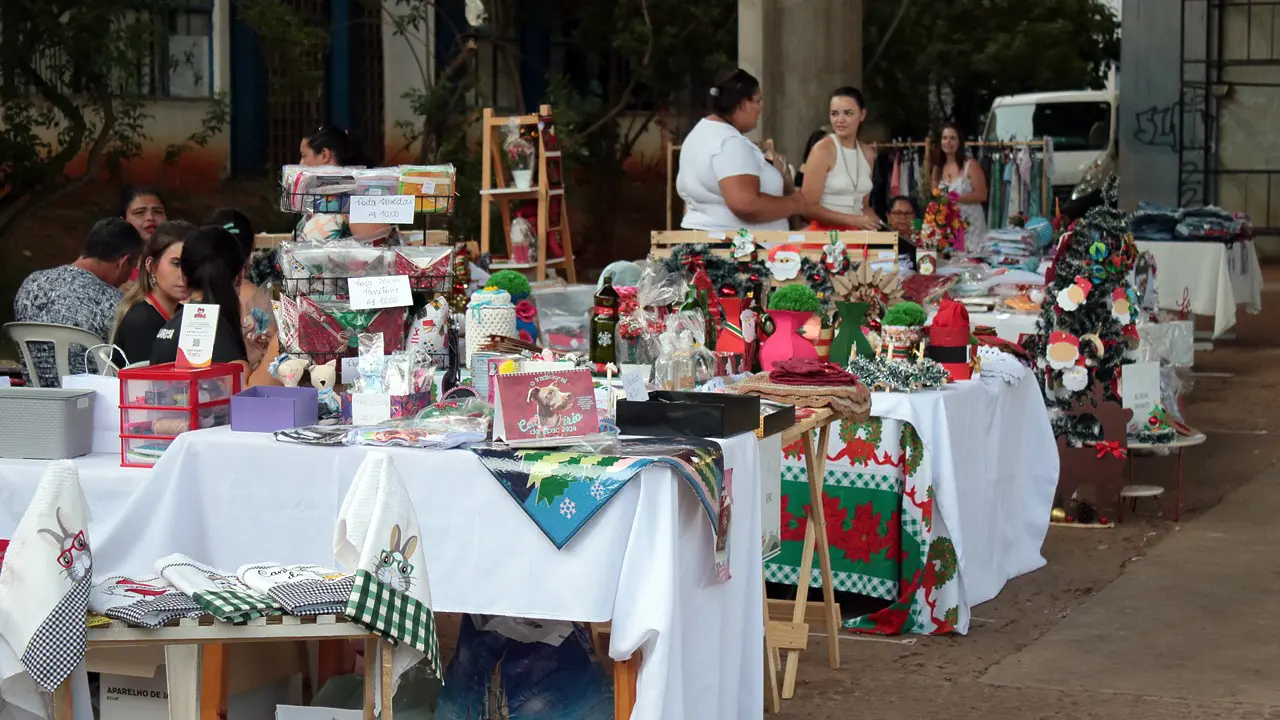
{"x": 1150, "y": 102}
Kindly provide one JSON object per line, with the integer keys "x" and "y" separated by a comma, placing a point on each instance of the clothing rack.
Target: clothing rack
{"x": 1046, "y": 187}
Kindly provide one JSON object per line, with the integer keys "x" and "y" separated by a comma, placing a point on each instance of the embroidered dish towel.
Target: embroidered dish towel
{"x": 301, "y": 589}
{"x": 222, "y": 596}
{"x": 44, "y": 589}
{"x": 377, "y": 536}
{"x": 147, "y": 602}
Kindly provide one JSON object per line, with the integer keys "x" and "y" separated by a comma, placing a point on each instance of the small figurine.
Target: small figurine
{"x": 323, "y": 379}
{"x": 287, "y": 369}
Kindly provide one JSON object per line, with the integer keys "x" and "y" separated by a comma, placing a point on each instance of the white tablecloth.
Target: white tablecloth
{"x": 995, "y": 471}
{"x": 1213, "y": 277}
{"x": 645, "y": 561}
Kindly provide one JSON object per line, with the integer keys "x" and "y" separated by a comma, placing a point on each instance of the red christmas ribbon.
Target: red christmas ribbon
{"x": 1111, "y": 447}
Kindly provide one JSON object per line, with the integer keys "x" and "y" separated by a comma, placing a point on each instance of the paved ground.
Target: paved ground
{"x": 1150, "y": 621}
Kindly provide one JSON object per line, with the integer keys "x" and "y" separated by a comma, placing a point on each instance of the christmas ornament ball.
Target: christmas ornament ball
{"x": 1058, "y": 515}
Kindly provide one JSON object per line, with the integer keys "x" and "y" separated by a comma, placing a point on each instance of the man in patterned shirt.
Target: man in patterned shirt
{"x": 83, "y": 294}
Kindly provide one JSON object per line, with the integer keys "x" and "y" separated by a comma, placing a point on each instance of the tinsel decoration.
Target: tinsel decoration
{"x": 723, "y": 271}
{"x": 1108, "y": 226}
{"x": 264, "y": 267}
{"x": 880, "y": 374}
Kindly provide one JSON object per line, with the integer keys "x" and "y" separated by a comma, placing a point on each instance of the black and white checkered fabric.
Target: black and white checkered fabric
{"x": 150, "y": 610}
{"x": 58, "y": 645}
{"x": 314, "y": 597}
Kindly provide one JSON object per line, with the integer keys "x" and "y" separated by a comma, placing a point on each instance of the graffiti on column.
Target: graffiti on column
{"x": 1181, "y": 127}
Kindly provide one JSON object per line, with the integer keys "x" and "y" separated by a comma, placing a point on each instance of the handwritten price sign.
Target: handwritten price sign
{"x": 391, "y": 209}
{"x": 372, "y": 293}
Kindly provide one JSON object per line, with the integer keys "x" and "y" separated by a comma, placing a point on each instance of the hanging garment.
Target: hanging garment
{"x": 1035, "y": 203}
{"x": 895, "y": 180}
{"x": 1016, "y": 189}
{"x": 993, "y": 190}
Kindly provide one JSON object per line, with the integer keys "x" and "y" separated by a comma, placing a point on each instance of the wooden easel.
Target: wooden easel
{"x": 786, "y": 629}
{"x": 548, "y": 190}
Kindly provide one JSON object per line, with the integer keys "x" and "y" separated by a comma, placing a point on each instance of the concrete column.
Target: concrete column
{"x": 801, "y": 50}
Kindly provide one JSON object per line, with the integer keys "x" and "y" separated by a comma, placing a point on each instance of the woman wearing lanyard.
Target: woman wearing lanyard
{"x": 837, "y": 177}
{"x": 156, "y": 297}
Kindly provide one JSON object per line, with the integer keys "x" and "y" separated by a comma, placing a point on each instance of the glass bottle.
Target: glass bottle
{"x": 604, "y": 324}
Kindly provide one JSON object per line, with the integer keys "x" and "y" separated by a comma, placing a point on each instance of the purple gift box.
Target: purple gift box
{"x": 267, "y": 409}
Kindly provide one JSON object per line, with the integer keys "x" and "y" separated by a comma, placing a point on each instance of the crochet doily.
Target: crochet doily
{"x": 998, "y": 365}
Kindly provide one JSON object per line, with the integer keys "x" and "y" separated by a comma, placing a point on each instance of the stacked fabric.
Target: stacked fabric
{"x": 300, "y": 589}
{"x": 1010, "y": 247}
{"x": 147, "y": 602}
{"x": 219, "y": 594}
{"x": 1205, "y": 224}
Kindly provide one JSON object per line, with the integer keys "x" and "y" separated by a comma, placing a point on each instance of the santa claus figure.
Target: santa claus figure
{"x": 784, "y": 262}
{"x": 1120, "y": 308}
{"x": 1063, "y": 350}
{"x": 1071, "y": 297}
{"x": 1075, "y": 378}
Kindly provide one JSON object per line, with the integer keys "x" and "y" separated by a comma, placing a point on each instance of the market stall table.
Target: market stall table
{"x": 932, "y": 504}
{"x": 1207, "y": 278}
{"x": 645, "y": 562}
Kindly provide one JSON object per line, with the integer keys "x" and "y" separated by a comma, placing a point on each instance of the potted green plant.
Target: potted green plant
{"x": 902, "y": 327}
{"x": 790, "y": 307}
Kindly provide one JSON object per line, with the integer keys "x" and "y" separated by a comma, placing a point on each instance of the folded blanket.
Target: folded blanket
{"x": 219, "y": 594}
{"x": 301, "y": 589}
{"x": 147, "y": 601}
{"x": 850, "y": 402}
{"x": 810, "y": 372}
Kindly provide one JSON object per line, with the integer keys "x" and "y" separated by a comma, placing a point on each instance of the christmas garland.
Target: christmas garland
{"x": 818, "y": 278}
{"x": 264, "y": 267}
{"x": 880, "y": 374}
{"x": 725, "y": 274}
{"x": 912, "y": 450}
{"x": 1153, "y": 437}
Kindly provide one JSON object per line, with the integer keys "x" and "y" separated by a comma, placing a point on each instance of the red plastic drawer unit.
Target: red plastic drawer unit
{"x": 160, "y": 402}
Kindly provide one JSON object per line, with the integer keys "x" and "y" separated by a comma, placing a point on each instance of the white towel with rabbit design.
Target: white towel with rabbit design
{"x": 44, "y": 588}
{"x": 377, "y": 538}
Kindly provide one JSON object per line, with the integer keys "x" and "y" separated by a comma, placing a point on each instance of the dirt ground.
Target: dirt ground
{"x": 900, "y": 678}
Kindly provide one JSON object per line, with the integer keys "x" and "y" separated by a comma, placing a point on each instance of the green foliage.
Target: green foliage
{"x": 293, "y": 44}
{"x": 75, "y": 80}
{"x": 905, "y": 314}
{"x": 947, "y": 59}
{"x": 516, "y": 285}
{"x": 797, "y": 298}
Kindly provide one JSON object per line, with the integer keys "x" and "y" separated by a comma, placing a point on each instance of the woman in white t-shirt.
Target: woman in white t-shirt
{"x": 725, "y": 180}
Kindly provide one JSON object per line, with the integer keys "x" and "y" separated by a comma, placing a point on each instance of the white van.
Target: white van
{"x": 1082, "y": 124}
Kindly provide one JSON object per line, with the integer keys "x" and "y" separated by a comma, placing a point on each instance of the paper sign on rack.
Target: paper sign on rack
{"x": 634, "y": 387}
{"x": 195, "y": 339}
{"x": 375, "y": 293}
{"x": 1140, "y": 391}
{"x": 382, "y": 209}
{"x": 544, "y": 409}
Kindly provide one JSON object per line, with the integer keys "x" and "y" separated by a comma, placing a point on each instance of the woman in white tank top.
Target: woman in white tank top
{"x": 837, "y": 173}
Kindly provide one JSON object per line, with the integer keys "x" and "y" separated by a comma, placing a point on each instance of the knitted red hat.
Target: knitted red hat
{"x": 949, "y": 339}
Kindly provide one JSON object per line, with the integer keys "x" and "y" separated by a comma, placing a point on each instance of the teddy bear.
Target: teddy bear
{"x": 323, "y": 379}
{"x": 287, "y": 369}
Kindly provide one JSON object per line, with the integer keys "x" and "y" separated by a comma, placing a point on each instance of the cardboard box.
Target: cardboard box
{"x": 676, "y": 414}
{"x": 297, "y": 712}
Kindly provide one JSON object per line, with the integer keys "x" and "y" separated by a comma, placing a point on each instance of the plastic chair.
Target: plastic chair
{"x": 63, "y": 337}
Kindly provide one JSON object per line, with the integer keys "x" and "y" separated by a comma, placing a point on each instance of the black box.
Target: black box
{"x": 776, "y": 418}
{"x": 680, "y": 414}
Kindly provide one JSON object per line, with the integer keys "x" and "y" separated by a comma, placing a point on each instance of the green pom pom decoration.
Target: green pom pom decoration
{"x": 905, "y": 314}
{"x": 797, "y": 298}
{"x": 516, "y": 285}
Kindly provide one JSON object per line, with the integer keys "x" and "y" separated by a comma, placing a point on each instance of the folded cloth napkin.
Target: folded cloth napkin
{"x": 810, "y": 372}
{"x": 301, "y": 589}
{"x": 217, "y": 593}
{"x": 44, "y": 589}
{"x": 377, "y": 536}
{"x": 147, "y": 602}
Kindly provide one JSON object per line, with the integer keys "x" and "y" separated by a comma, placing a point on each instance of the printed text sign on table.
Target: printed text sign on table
{"x": 397, "y": 209}
{"x": 384, "y": 291}
{"x": 370, "y": 408}
{"x": 1140, "y": 391}
{"x": 195, "y": 339}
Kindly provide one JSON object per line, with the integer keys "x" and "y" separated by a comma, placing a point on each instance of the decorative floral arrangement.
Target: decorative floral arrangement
{"x": 942, "y": 222}
{"x": 520, "y": 155}
{"x": 796, "y": 298}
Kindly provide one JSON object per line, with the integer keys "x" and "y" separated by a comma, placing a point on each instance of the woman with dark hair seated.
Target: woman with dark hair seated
{"x": 257, "y": 321}
{"x": 725, "y": 180}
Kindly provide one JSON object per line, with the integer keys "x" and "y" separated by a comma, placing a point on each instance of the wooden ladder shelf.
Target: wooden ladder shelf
{"x": 548, "y": 190}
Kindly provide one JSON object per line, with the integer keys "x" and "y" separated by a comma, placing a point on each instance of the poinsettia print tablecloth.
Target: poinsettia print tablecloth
{"x": 885, "y": 540}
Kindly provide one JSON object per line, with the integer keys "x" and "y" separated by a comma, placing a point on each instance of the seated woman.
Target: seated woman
{"x": 257, "y": 321}
{"x": 214, "y": 268}
{"x": 156, "y": 297}
{"x": 724, "y": 179}
{"x": 838, "y": 170}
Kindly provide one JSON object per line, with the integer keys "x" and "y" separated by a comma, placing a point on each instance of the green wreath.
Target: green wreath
{"x": 851, "y": 432}
{"x": 942, "y": 555}
{"x": 912, "y": 449}
{"x": 722, "y": 271}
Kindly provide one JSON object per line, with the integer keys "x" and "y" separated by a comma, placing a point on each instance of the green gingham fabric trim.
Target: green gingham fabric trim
{"x": 845, "y": 582}
{"x": 396, "y": 616}
{"x": 235, "y": 607}
{"x": 846, "y": 479}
